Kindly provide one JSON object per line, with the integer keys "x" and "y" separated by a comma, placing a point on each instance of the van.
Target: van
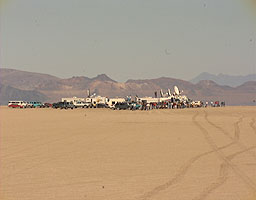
{"x": 17, "y": 104}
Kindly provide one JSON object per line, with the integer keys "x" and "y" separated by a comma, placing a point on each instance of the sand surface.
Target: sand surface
{"x": 100, "y": 154}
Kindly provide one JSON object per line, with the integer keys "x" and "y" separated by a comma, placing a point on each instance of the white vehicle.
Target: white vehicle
{"x": 197, "y": 104}
{"x": 78, "y": 102}
{"x": 113, "y": 101}
{"x": 98, "y": 100}
{"x": 148, "y": 99}
{"x": 81, "y": 104}
{"x": 72, "y": 99}
{"x": 17, "y": 104}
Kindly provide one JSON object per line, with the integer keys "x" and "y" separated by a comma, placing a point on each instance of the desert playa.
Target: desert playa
{"x": 96, "y": 154}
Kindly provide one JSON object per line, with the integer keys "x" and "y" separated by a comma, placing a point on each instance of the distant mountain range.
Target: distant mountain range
{"x": 21, "y": 85}
{"x": 223, "y": 79}
{"x": 8, "y": 93}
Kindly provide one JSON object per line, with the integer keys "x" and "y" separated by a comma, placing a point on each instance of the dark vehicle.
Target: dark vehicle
{"x": 101, "y": 105}
{"x": 122, "y": 106}
{"x": 63, "y": 105}
{"x": 216, "y": 104}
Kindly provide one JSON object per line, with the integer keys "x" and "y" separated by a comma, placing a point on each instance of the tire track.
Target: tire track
{"x": 237, "y": 129}
{"x": 223, "y": 175}
{"x": 179, "y": 175}
{"x": 183, "y": 170}
{"x": 250, "y": 184}
{"x": 236, "y": 134}
{"x": 218, "y": 127}
{"x": 252, "y": 125}
{"x": 230, "y": 157}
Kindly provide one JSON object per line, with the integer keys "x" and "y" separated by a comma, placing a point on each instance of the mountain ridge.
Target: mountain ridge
{"x": 8, "y": 93}
{"x": 54, "y": 88}
{"x": 224, "y": 79}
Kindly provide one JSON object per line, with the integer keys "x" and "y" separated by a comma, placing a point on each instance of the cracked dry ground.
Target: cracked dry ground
{"x": 206, "y": 153}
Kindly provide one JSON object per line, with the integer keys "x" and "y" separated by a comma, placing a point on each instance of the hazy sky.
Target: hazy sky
{"x": 128, "y": 38}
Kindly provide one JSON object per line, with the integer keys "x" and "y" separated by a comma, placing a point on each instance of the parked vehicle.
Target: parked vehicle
{"x": 81, "y": 104}
{"x": 112, "y": 101}
{"x": 197, "y": 104}
{"x": 223, "y": 104}
{"x": 101, "y": 105}
{"x": 47, "y": 105}
{"x": 29, "y": 105}
{"x": 122, "y": 106}
{"x": 135, "y": 106}
{"x": 36, "y": 104}
{"x": 63, "y": 105}
{"x": 17, "y": 104}
{"x": 216, "y": 104}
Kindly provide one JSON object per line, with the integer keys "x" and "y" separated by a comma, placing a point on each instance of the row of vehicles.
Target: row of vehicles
{"x": 168, "y": 100}
{"x": 25, "y": 104}
{"x": 117, "y": 106}
{"x": 72, "y": 105}
{"x": 122, "y": 105}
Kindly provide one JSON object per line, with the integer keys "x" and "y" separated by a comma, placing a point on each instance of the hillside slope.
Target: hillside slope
{"x": 223, "y": 79}
{"x": 8, "y": 93}
{"x": 50, "y": 88}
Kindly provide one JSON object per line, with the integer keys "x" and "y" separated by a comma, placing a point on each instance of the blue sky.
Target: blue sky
{"x": 127, "y": 38}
